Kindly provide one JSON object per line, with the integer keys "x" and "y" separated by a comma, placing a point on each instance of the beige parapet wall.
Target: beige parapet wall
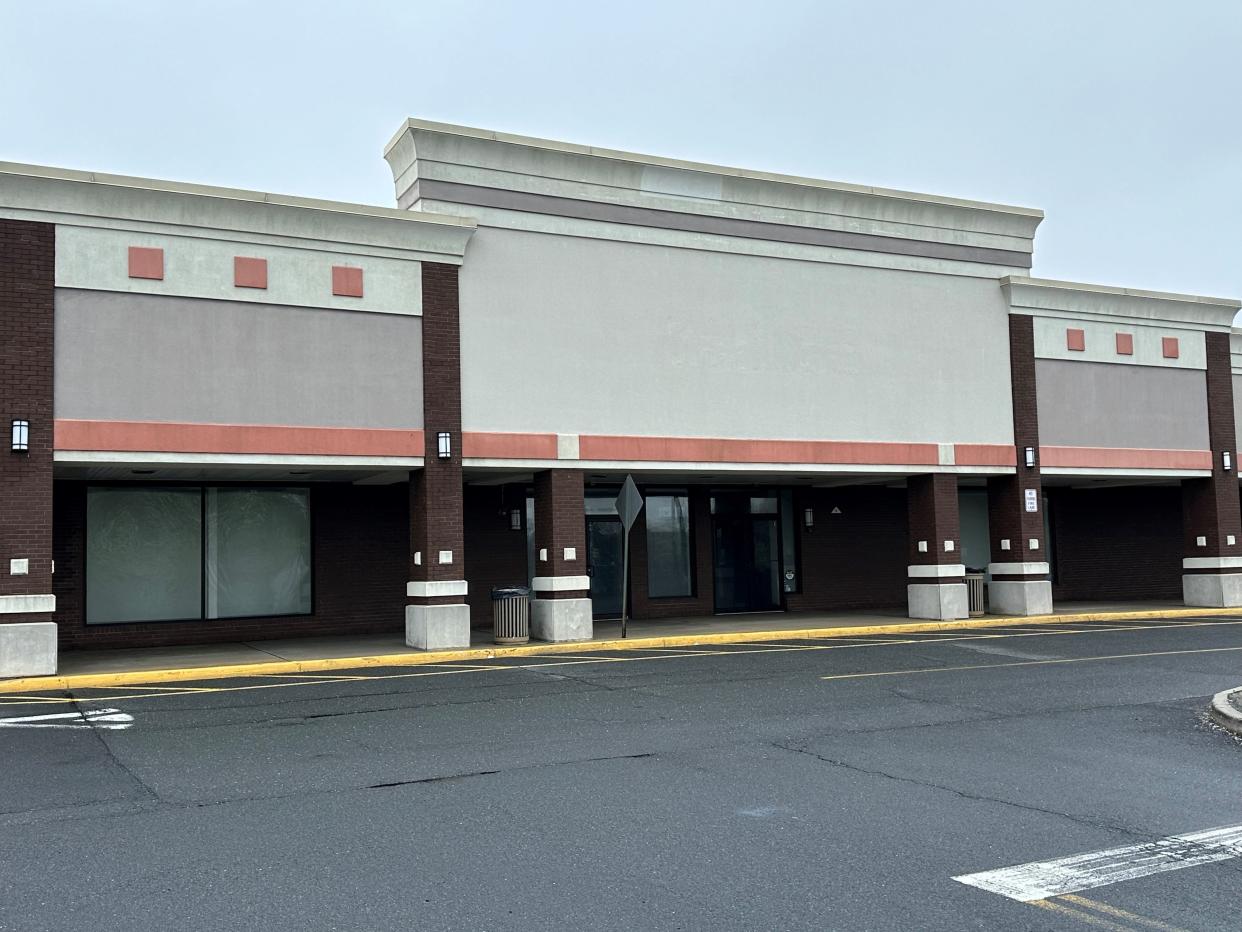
{"x": 681, "y": 303}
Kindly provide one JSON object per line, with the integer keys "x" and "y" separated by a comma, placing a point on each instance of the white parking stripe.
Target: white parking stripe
{"x": 1042, "y": 879}
{"x": 111, "y": 719}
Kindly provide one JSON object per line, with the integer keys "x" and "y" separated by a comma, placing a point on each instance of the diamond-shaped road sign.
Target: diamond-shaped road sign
{"x": 629, "y": 503}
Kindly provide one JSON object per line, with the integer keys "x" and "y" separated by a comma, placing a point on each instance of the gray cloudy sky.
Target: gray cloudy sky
{"x": 1120, "y": 118}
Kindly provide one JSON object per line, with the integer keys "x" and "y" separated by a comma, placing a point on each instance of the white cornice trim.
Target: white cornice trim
{"x": 654, "y": 467}
{"x": 76, "y": 198}
{"x": 1041, "y": 297}
{"x": 122, "y": 459}
{"x": 568, "y": 148}
{"x": 54, "y": 173}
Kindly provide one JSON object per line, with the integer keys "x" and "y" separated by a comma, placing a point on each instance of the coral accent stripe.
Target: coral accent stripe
{"x": 1123, "y": 458}
{"x": 984, "y": 454}
{"x": 487, "y": 445}
{"x": 709, "y": 450}
{"x": 166, "y": 437}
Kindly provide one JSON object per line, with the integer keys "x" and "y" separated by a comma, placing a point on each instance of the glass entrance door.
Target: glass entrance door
{"x": 746, "y": 553}
{"x": 604, "y": 564}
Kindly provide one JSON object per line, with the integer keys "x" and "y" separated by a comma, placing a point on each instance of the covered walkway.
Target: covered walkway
{"x": 392, "y": 647}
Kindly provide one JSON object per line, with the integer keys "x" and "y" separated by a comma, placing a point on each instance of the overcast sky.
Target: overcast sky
{"x": 1119, "y": 118}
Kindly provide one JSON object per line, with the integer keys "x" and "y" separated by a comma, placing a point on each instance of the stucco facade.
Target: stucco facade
{"x": 832, "y": 396}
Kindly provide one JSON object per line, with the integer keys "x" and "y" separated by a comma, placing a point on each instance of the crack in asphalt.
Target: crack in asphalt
{"x": 120, "y": 765}
{"x": 490, "y": 773}
{"x": 1108, "y": 824}
{"x": 156, "y": 804}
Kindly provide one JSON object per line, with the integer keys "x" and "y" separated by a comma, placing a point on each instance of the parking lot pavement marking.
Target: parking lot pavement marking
{"x": 1029, "y": 663}
{"x": 1117, "y": 913}
{"x": 1040, "y": 880}
{"x": 1086, "y": 918}
{"x": 110, "y": 719}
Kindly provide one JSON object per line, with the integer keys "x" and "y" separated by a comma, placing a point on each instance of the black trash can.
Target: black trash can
{"x": 511, "y": 614}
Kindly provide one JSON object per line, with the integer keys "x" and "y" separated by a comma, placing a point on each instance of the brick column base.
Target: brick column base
{"x": 436, "y": 614}
{"x": 561, "y": 610}
{"x": 936, "y": 587}
{"x": 1212, "y": 568}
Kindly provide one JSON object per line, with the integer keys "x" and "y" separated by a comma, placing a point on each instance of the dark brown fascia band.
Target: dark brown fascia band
{"x": 478, "y": 196}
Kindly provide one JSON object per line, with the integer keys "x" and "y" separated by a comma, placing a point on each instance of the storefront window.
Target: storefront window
{"x": 258, "y": 552}
{"x": 668, "y": 546}
{"x": 144, "y": 554}
{"x": 187, "y": 552}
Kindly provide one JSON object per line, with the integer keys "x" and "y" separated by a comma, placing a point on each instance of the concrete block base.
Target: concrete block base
{"x": 28, "y": 649}
{"x": 936, "y": 602}
{"x": 437, "y": 627}
{"x": 1212, "y": 590}
{"x": 561, "y": 619}
{"x": 1020, "y": 597}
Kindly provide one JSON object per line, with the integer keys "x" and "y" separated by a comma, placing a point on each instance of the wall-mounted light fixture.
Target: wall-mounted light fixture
{"x": 1029, "y": 457}
{"x": 21, "y": 436}
{"x": 444, "y": 444}
{"x": 1226, "y": 461}
{"x": 515, "y": 519}
{"x": 808, "y": 518}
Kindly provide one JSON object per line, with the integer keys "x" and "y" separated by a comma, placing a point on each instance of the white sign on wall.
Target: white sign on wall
{"x": 1032, "y": 500}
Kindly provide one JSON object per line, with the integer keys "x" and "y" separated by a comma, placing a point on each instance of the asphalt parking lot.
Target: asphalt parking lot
{"x": 832, "y": 784}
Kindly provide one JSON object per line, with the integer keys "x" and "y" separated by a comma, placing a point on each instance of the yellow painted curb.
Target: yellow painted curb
{"x": 417, "y": 658}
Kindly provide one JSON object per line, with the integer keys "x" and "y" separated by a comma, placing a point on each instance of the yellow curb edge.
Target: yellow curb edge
{"x": 418, "y": 658}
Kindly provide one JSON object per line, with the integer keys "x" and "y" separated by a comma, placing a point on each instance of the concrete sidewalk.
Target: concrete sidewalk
{"x": 786, "y": 624}
{"x": 81, "y": 669}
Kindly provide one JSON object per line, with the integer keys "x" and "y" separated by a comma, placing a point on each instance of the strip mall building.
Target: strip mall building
{"x": 232, "y": 416}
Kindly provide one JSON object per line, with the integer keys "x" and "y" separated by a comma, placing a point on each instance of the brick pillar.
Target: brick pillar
{"x": 936, "y": 585}
{"x": 436, "y": 613}
{"x": 1212, "y": 568}
{"x": 1018, "y": 574}
{"x": 27, "y": 291}
{"x": 561, "y": 610}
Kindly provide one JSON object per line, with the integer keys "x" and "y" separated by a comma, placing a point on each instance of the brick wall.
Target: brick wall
{"x": 933, "y": 517}
{"x": 560, "y": 523}
{"x": 1008, "y": 518}
{"x": 27, "y": 291}
{"x": 360, "y": 539}
{"x": 1122, "y": 543}
{"x": 1211, "y": 505}
{"x": 495, "y": 554}
{"x": 855, "y": 559}
{"x": 436, "y": 489}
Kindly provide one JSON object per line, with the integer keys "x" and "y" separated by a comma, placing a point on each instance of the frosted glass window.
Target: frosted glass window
{"x": 972, "y": 506}
{"x": 143, "y": 554}
{"x": 668, "y": 546}
{"x": 258, "y": 559}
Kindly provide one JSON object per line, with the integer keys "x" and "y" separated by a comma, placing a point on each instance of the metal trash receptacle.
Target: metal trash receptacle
{"x": 511, "y": 614}
{"x": 975, "y": 592}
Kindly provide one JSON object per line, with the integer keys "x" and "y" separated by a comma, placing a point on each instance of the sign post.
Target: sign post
{"x": 629, "y": 504}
